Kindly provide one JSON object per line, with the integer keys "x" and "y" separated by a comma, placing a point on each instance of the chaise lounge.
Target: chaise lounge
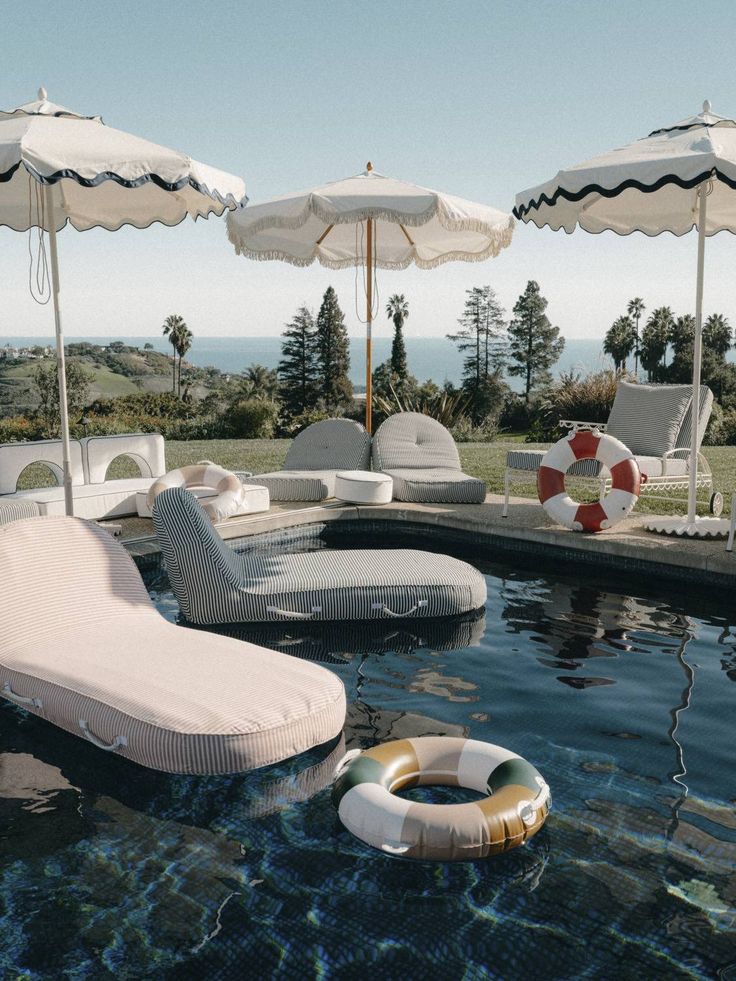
{"x": 82, "y": 646}
{"x": 654, "y": 421}
{"x": 421, "y": 458}
{"x": 215, "y": 585}
{"x": 315, "y": 457}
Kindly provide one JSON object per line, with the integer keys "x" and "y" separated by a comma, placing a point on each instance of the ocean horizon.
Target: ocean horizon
{"x": 428, "y": 357}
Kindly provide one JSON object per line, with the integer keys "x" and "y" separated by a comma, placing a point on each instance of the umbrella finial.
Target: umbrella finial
{"x": 706, "y": 105}
{"x": 42, "y": 94}
{"x": 369, "y": 167}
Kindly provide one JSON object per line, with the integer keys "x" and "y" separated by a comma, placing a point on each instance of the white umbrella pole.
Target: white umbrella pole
{"x": 369, "y": 331}
{"x": 697, "y": 359}
{"x": 60, "y": 361}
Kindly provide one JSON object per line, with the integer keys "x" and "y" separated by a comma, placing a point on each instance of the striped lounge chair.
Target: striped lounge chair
{"x": 315, "y": 457}
{"x": 82, "y": 646}
{"x": 421, "y": 457}
{"x": 654, "y": 421}
{"x": 215, "y": 585}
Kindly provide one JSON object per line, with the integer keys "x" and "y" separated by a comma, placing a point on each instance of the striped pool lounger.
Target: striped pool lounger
{"x": 215, "y": 585}
{"x": 82, "y": 646}
{"x": 421, "y": 457}
{"x": 315, "y": 457}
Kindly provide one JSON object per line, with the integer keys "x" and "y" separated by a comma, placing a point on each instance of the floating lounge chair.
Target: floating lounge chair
{"x": 315, "y": 457}
{"x": 420, "y": 456}
{"x": 82, "y": 646}
{"x": 214, "y": 584}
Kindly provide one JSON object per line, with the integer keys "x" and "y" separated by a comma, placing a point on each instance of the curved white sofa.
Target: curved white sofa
{"x": 82, "y": 646}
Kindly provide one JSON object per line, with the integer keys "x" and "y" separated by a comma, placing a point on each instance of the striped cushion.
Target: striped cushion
{"x": 648, "y": 418}
{"x": 298, "y": 485}
{"x": 531, "y": 460}
{"x": 84, "y": 647}
{"x": 13, "y": 510}
{"x": 213, "y": 584}
{"x": 411, "y": 440}
{"x": 437, "y": 486}
{"x": 706, "y": 407}
{"x": 333, "y": 444}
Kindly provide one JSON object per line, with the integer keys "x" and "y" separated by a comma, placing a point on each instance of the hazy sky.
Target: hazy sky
{"x": 480, "y": 99}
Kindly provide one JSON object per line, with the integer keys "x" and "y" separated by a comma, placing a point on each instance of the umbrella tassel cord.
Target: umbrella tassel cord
{"x": 40, "y": 290}
{"x": 361, "y": 264}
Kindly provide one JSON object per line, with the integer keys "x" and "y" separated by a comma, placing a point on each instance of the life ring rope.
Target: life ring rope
{"x": 619, "y": 501}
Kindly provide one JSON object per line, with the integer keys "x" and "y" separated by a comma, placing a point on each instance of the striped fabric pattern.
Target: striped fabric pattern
{"x": 531, "y": 460}
{"x": 421, "y": 457}
{"x": 332, "y": 444}
{"x": 706, "y": 407}
{"x": 298, "y": 485}
{"x": 648, "y": 418}
{"x": 81, "y": 642}
{"x": 215, "y": 585}
{"x": 14, "y": 510}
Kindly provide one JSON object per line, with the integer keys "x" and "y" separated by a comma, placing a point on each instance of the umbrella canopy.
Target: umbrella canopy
{"x": 57, "y": 166}
{"x": 370, "y": 220}
{"x": 675, "y": 179}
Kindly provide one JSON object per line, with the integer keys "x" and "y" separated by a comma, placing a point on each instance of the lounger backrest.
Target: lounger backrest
{"x": 197, "y": 560}
{"x": 706, "y": 407}
{"x": 15, "y": 457}
{"x": 649, "y": 418}
{"x": 413, "y": 441}
{"x": 59, "y": 573}
{"x": 145, "y": 449}
{"x": 333, "y": 444}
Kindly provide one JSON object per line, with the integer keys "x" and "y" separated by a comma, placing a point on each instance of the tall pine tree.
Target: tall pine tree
{"x": 298, "y": 369}
{"x": 535, "y": 345}
{"x": 482, "y": 338}
{"x": 333, "y": 354}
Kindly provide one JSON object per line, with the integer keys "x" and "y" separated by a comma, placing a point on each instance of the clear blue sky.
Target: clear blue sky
{"x": 480, "y": 99}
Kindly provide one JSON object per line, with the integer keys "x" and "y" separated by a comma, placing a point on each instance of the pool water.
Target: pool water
{"x": 624, "y": 702}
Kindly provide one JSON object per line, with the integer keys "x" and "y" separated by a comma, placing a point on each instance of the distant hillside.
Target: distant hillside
{"x": 116, "y": 369}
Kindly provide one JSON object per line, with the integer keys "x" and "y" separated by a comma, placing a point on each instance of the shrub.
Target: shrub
{"x": 585, "y": 398}
{"x": 448, "y": 408}
{"x": 252, "y": 419}
{"x": 164, "y": 404}
{"x": 295, "y": 424}
{"x": 16, "y": 429}
{"x": 466, "y": 431}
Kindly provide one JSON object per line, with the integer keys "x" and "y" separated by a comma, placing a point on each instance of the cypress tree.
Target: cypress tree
{"x": 397, "y": 309}
{"x": 333, "y": 353}
{"x": 535, "y": 345}
{"x": 298, "y": 369}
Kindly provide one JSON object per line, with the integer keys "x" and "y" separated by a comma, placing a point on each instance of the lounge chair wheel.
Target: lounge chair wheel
{"x": 716, "y": 504}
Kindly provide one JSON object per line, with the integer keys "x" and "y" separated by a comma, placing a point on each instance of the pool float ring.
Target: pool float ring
{"x": 585, "y": 445}
{"x": 365, "y": 797}
{"x": 229, "y": 490}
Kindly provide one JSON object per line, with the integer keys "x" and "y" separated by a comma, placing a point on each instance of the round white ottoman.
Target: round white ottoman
{"x": 363, "y": 487}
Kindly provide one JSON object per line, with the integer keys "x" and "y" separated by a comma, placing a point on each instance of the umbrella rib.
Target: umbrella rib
{"x": 408, "y": 237}
{"x": 324, "y": 234}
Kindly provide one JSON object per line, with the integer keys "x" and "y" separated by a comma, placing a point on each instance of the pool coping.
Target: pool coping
{"x": 626, "y": 548}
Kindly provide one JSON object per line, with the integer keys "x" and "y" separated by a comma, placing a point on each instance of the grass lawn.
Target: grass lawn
{"x": 484, "y": 460}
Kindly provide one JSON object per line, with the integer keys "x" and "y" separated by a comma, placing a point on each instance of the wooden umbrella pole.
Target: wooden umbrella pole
{"x": 368, "y": 328}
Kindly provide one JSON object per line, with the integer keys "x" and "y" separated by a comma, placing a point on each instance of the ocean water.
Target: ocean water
{"x": 623, "y": 697}
{"x": 428, "y": 357}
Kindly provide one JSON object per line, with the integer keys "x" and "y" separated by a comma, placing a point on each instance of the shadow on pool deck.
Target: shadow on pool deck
{"x": 527, "y": 529}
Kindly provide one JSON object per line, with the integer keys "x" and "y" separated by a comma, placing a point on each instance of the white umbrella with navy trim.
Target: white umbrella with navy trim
{"x": 59, "y": 167}
{"x": 678, "y": 178}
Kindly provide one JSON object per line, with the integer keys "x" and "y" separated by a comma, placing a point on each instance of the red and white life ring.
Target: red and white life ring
{"x": 586, "y": 445}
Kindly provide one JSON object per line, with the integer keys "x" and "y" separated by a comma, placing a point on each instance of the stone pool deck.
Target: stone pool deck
{"x": 627, "y": 547}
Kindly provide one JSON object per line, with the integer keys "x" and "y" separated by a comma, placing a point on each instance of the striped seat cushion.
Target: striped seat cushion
{"x": 84, "y": 648}
{"x": 14, "y": 509}
{"x": 213, "y": 584}
{"x": 706, "y": 407}
{"x": 413, "y": 441}
{"x": 437, "y": 486}
{"x": 333, "y": 444}
{"x": 531, "y": 460}
{"x": 298, "y": 485}
{"x": 648, "y": 418}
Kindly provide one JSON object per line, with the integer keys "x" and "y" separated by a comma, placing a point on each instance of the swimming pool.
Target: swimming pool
{"x": 624, "y": 701}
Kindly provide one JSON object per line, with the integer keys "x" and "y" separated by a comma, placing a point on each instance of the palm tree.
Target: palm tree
{"x": 717, "y": 335}
{"x": 654, "y": 339}
{"x": 184, "y": 343}
{"x": 260, "y": 383}
{"x": 620, "y": 341}
{"x": 173, "y": 327}
{"x": 635, "y": 309}
{"x": 397, "y": 309}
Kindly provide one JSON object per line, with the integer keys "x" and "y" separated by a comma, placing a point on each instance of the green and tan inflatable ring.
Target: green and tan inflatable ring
{"x": 515, "y": 808}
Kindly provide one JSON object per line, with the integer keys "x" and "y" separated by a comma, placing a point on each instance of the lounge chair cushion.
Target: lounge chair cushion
{"x": 111, "y": 499}
{"x": 437, "y": 486}
{"x": 82, "y": 637}
{"x": 413, "y": 441}
{"x": 648, "y": 418}
{"x": 13, "y": 509}
{"x": 214, "y": 584}
{"x": 652, "y": 466}
{"x": 706, "y": 407}
{"x": 332, "y": 444}
{"x": 298, "y": 485}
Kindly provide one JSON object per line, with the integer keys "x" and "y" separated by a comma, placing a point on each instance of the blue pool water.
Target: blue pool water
{"x": 625, "y": 703}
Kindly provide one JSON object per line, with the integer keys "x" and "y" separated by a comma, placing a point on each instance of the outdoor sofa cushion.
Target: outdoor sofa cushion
{"x": 111, "y": 499}
{"x": 12, "y": 509}
{"x": 314, "y": 458}
{"x": 82, "y": 646}
{"x": 421, "y": 457}
{"x": 214, "y": 584}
